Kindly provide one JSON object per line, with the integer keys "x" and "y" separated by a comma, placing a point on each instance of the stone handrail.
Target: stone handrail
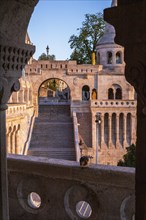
{"x": 14, "y": 109}
{"x": 59, "y": 186}
{"x": 76, "y": 137}
{"x": 113, "y": 103}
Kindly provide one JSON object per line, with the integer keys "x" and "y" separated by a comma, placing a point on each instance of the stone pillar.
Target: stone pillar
{"x": 8, "y": 141}
{"x": 102, "y": 131}
{"x": 133, "y": 128}
{"x": 110, "y": 130}
{"x": 133, "y": 14}
{"x": 125, "y": 130}
{"x": 17, "y": 136}
{"x": 117, "y": 130}
{"x": 14, "y": 54}
{"x": 13, "y": 138}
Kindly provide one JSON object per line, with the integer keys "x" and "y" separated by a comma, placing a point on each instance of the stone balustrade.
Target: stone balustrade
{"x": 14, "y": 109}
{"x": 113, "y": 103}
{"x": 41, "y": 188}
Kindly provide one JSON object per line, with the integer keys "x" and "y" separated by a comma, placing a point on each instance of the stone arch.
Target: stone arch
{"x": 85, "y": 92}
{"x": 115, "y": 92}
{"x": 54, "y": 89}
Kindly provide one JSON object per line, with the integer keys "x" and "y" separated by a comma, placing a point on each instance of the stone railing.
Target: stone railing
{"x": 76, "y": 137}
{"x": 41, "y": 188}
{"x": 113, "y": 103}
{"x": 16, "y": 108}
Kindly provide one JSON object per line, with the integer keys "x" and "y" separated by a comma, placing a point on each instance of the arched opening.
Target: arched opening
{"x": 118, "y": 94}
{"x": 110, "y": 93}
{"x": 109, "y": 57}
{"x": 54, "y": 90}
{"x": 118, "y": 58}
{"x": 85, "y": 93}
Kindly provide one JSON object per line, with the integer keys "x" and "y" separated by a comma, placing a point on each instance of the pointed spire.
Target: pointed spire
{"x": 114, "y": 3}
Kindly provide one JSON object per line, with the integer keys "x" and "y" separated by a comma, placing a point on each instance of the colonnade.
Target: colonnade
{"x": 115, "y": 130}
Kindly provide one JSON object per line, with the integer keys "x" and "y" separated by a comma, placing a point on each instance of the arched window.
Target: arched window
{"x": 109, "y": 57}
{"x": 118, "y": 94}
{"x": 98, "y": 58}
{"x": 110, "y": 93}
{"x": 118, "y": 58}
{"x": 85, "y": 93}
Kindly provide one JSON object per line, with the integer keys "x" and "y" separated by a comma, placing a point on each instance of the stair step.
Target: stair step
{"x": 53, "y": 133}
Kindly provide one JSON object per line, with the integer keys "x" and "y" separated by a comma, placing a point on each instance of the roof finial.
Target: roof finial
{"x": 114, "y": 3}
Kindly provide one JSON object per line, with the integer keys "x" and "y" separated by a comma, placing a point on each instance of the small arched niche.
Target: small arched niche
{"x": 85, "y": 92}
{"x": 119, "y": 57}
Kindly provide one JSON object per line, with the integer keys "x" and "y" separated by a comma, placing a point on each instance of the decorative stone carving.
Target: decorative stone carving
{"x": 12, "y": 62}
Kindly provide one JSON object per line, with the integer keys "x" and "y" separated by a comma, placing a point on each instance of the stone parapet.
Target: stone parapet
{"x": 59, "y": 186}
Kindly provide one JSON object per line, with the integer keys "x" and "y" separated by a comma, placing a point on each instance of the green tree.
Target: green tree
{"x": 129, "y": 159}
{"x": 43, "y": 56}
{"x": 85, "y": 42}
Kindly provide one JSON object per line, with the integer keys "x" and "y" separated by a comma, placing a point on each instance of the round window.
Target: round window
{"x": 83, "y": 209}
{"x": 34, "y": 200}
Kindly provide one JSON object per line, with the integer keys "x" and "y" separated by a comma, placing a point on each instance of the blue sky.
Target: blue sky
{"x": 54, "y": 21}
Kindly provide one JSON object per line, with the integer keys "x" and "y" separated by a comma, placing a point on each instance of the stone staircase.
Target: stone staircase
{"x": 53, "y": 135}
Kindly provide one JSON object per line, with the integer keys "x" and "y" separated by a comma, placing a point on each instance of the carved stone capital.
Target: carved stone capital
{"x": 12, "y": 61}
{"x": 7, "y": 86}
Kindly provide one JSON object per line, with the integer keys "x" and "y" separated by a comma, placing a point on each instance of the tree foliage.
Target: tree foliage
{"x": 43, "y": 56}
{"x": 129, "y": 159}
{"x": 85, "y": 42}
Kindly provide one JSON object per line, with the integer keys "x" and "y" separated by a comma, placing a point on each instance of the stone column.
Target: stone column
{"x": 102, "y": 131}
{"x": 133, "y": 128}
{"x": 14, "y": 54}
{"x": 8, "y": 141}
{"x": 125, "y": 130}
{"x": 13, "y": 138}
{"x": 110, "y": 130}
{"x": 7, "y": 85}
{"x": 17, "y": 150}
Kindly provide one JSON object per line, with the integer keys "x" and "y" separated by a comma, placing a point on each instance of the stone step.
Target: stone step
{"x": 53, "y": 133}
